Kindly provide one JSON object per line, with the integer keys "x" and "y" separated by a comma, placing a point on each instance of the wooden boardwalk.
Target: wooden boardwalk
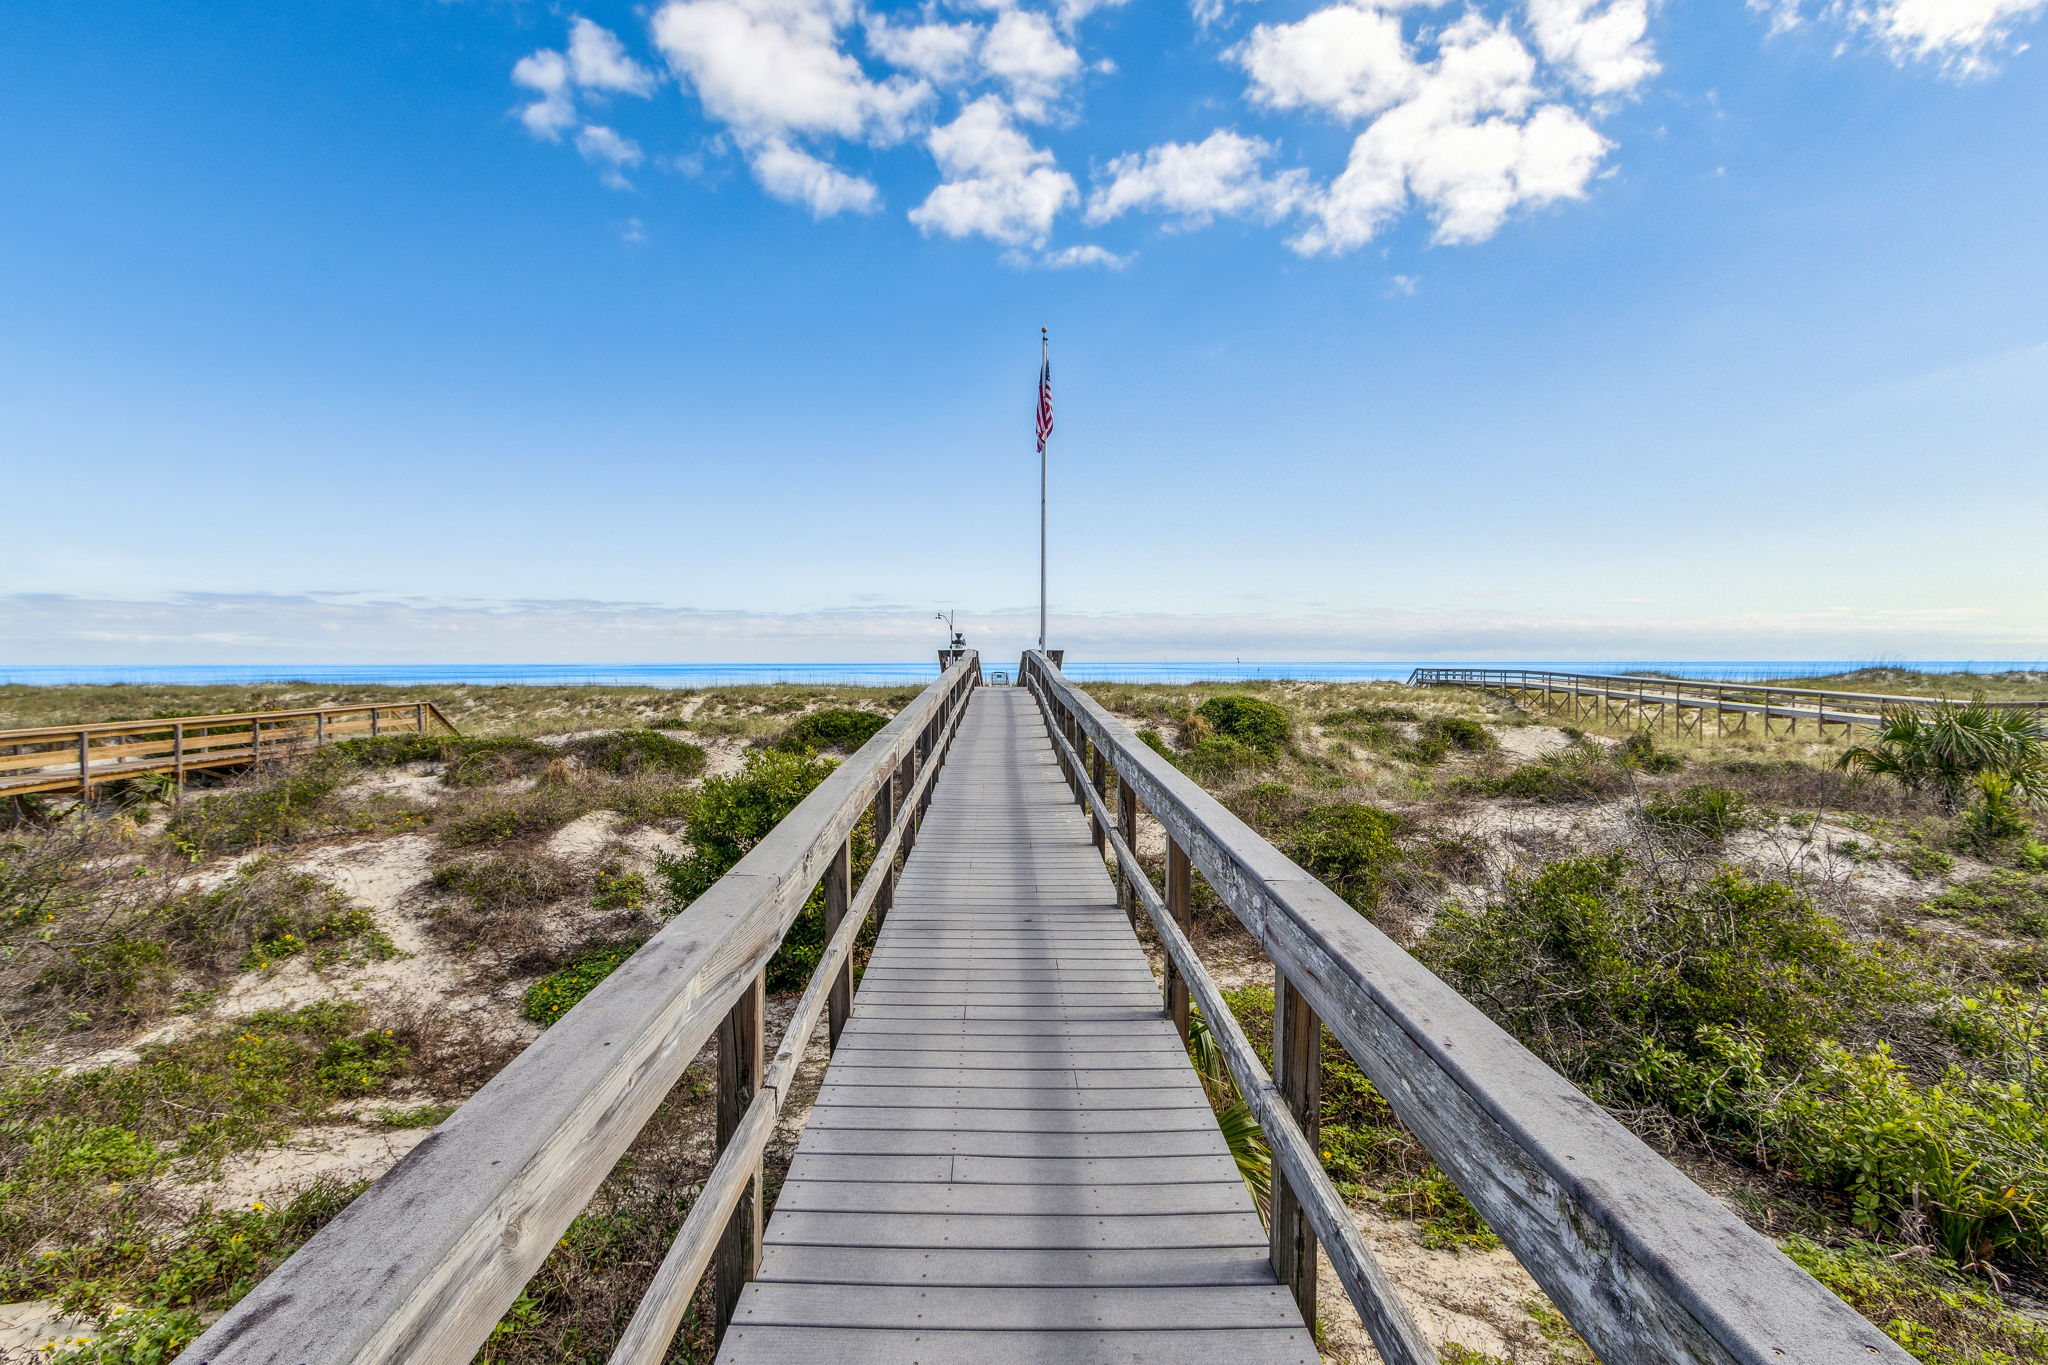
{"x": 1011, "y": 1158}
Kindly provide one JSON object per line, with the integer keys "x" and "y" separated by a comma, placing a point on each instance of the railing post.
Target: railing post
{"x": 1127, "y": 826}
{"x": 739, "y": 1076}
{"x": 1179, "y": 875}
{"x": 319, "y": 729}
{"x": 178, "y": 764}
{"x": 885, "y": 820}
{"x": 420, "y": 718}
{"x": 255, "y": 737}
{"x": 1099, "y": 774}
{"x": 1298, "y": 1075}
{"x": 84, "y": 768}
{"x": 838, "y": 894}
{"x": 373, "y": 722}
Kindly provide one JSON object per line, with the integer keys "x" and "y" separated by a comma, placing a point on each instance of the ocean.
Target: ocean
{"x": 898, "y": 674}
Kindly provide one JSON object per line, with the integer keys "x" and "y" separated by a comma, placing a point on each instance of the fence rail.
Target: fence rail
{"x": 423, "y": 1265}
{"x": 1672, "y": 698}
{"x": 1645, "y": 1264}
{"x": 68, "y": 758}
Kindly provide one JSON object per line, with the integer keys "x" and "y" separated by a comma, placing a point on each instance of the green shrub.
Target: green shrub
{"x": 1259, "y": 726}
{"x": 483, "y": 762}
{"x": 505, "y": 817}
{"x": 294, "y": 804}
{"x": 1579, "y": 773}
{"x": 1152, "y": 740}
{"x": 2005, "y": 903}
{"x": 551, "y": 997}
{"x": 731, "y": 814}
{"x": 618, "y": 890}
{"x": 1584, "y": 960}
{"x": 1927, "y": 1305}
{"x": 1216, "y": 757}
{"x": 506, "y": 880}
{"x": 836, "y": 727}
{"x": 1700, "y": 816}
{"x": 1640, "y": 751}
{"x": 1459, "y": 733}
{"x": 1349, "y": 848}
{"x": 627, "y": 752}
{"x": 392, "y": 751}
{"x": 1999, "y": 818}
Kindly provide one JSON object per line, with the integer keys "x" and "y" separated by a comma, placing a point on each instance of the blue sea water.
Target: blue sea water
{"x": 896, "y": 674}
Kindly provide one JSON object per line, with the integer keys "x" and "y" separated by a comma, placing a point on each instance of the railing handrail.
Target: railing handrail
{"x": 1423, "y": 677}
{"x": 427, "y": 1260}
{"x": 40, "y": 733}
{"x": 1645, "y": 1264}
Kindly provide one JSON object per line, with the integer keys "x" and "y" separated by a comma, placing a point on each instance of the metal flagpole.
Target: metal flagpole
{"x": 1044, "y": 359}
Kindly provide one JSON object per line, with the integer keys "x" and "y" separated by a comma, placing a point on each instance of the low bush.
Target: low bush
{"x": 1215, "y": 758}
{"x": 625, "y": 753}
{"x": 555, "y": 994}
{"x": 1369, "y": 715}
{"x": 1259, "y": 726}
{"x": 1925, "y": 1304}
{"x": 484, "y": 762}
{"x": 493, "y": 881}
{"x": 266, "y": 808}
{"x": 1640, "y": 751}
{"x": 730, "y": 815}
{"x": 1581, "y": 772}
{"x": 1154, "y": 741}
{"x": 2010, "y": 904}
{"x": 834, "y": 728}
{"x": 1699, "y": 817}
{"x": 1349, "y": 848}
{"x": 1586, "y": 959}
{"x": 1998, "y": 820}
{"x": 393, "y": 751}
{"x": 1946, "y": 749}
{"x": 1459, "y": 733}
{"x": 509, "y": 817}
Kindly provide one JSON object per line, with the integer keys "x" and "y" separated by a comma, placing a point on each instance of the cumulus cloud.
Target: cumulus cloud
{"x": 1350, "y": 60}
{"x": 1221, "y": 174}
{"x": 1022, "y": 51}
{"x": 609, "y": 152}
{"x": 1604, "y": 47}
{"x": 599, "y": 62}
{"x": 941, "y": 53}
{"x": 774, "y": 67}
{"x": 1960, "y": 36}
{"x": 1077, "y": 257}
{"x": 796, "y": 177}
{"x": 997, "y": 185}
{"x": 546, "y": 73}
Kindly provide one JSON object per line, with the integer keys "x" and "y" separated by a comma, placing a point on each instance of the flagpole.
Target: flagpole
{"x": 1044, "y": 356}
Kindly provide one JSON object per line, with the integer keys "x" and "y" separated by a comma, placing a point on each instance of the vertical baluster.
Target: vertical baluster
{"x": 838, "y": 893}
{"x": 1298, "y": 1075}
{"x": 84, "y": 768}
{"x": 1127, "y": 826}
{"x": 885, "y": 820}
{"x": 1098, "y": 774}
{"x": 739, "y": 1076}
{"x": 420, "y": 718}
{"x": 178, "y": 764}
{"x": 1179, "y": 875}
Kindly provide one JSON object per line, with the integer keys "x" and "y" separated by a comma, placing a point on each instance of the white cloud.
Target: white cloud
{"x": 941, "y": 53}
{"x": 1349, "y": 60}
{"x": 1461, "y": 147}
{"x": 547, "y": 74}
{"x": 796, "y": 177}
{"x": 1022, "y": 51}
{"x": 609, "y": 152}
{"x": 1073, "y": 12}
{"x": 1961, "y": 36}
{"x": 997, "y": 185}
{"x": 773, "y": 67}
{"x": 1075, "y": 257}
{"x": 1197, "y": 180}
{"x": 599, "y": 62}
{"x": 1603, "y": 46}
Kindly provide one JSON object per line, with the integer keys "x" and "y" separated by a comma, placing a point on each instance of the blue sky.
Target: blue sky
{"x": 706, "y": 329}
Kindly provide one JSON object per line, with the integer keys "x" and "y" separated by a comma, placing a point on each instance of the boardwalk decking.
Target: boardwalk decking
{"x": 1011, "y": 1159}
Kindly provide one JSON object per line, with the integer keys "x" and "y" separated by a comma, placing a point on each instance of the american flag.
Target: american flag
{"x": 1044, "y": 401}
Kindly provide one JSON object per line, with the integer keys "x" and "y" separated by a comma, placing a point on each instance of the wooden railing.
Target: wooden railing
{"x": 1820, "y": 705}
{"x": 427, "y": 1260}
{"x": 1645, "y": 1264}
{"x": 76, "y": 758}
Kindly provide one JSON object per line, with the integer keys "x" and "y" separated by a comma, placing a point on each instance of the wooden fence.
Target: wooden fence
{"x": 1672, "y": 702}
{"x": 77, "y": 758}
{"x": 1646, "y": 1265}
{"x": 423, "y": 1265}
